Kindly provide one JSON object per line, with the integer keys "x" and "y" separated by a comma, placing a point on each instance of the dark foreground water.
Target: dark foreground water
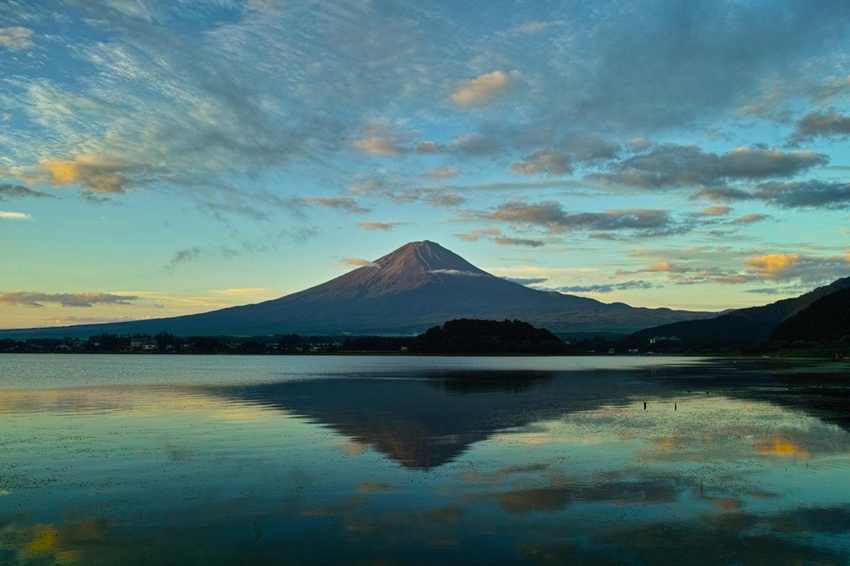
{"x": 149, "y": 460}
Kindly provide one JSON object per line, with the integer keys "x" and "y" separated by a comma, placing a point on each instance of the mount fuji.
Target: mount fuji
{"x": 419, "y": 285}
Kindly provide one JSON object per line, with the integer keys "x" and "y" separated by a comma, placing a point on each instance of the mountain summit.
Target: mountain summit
{"x": 419, "y": 285}
{"x": 426, "y": 257}
{"x": 411, "y": 266}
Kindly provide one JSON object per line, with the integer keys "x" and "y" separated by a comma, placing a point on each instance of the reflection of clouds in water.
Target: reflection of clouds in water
{"x": 556, "y": 498}
{"x": 374, "y": 487}
{"x": 702, "y": 429}
{"x": 343, "y": 509}
{"x": 779, "y": 446}
{"x": 727, "y": 503}
{"x": 352, "y": 448}
{"x": 600, "y": 486}
{"x": 445, "y": 515}
{"x": 830, "y": 520}
{"x": 728, "y": 538}
{"x": 703, "y": 465}
{"x": 443, "y": 543}
{"x": 44, "y": 540}
{"x": 499, "y": 476}
{"x": 661, "y": 543}
{"x": 697, "y": 544}
{"x": 132, "y": 402}
{"x": 65, "y": 543}
{"x": 785, "y": 537}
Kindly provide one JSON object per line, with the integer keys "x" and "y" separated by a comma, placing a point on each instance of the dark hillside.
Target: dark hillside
{"x": 744, "y": 326}
{"x": 467, "y": 336}
{"x": 827, "y": 321}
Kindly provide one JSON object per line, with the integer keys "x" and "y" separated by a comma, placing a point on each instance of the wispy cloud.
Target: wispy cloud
{"x": 9, "y": 191}
{"x": 16, "y": 38}
{"x": 805, "y": 194}
{"x": 37, "y": 299}
{"x": 538, "y": 27}
{"x": 606, "y": 288}
{"x": 794, "y": 268}
{"x": 240, "y": 247}
{"x": 14, "y": 216}
{"x": 74, "y": 320}
{"x": 670, "y": 165}
{"x": 358, "y": 262}
{"x": 485, "y": 88}
{"x": 386, "y": 138}
{"x": 552, "y": 217}
{"x": 249, "y": 292}
{"x": 442, "y": 173}
{"x": 813, "y": 194}
{"x": 478, "y": 145}
{"x": 826, "y": 123}
{"x": 712, "y": 211}
{"x": 544, "y": 162}
{"x": 529, "y": 281}
{"x": 93, "y": 173}
{"x": 379, "y": 226}
{"x": 343, "y": 204}
{"x": 432, "y": 196}
{"x": 751, "y": 218}
{"x": 184, "y": 256}
{"x": 521, "y": 242}
{"x": 476, "y": 235}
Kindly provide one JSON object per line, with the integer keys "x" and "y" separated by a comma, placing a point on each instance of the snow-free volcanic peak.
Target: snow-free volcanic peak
{"x": 410, "y": 266}
{"x": 426, "y": 256}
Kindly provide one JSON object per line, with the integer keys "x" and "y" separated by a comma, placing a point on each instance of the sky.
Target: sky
{"x": 160, "y": 158}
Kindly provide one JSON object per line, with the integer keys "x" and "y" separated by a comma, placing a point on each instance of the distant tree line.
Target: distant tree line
{"x": 377, "y": 343}
{"x": 463, "y": 336}
{"x": 165, "y": 342}
{"x": 822, "y": 330}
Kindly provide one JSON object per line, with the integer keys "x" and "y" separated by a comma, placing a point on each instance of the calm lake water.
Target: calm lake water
{"x": 149, "y": 460}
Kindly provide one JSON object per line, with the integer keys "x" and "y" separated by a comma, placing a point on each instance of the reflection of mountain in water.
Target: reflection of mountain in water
{"x": 427, "y": 420}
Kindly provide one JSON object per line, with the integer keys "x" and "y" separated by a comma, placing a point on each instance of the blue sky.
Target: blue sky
{"x": 163, "y": 158}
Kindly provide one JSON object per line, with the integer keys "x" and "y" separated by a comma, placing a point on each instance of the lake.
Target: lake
{"x": 180, "y": 460}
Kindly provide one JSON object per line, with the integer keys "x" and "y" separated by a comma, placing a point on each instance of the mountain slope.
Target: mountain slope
{"x": 754, "y": 324}
{"x": 826, "y": 320}
{"x": 417, "y": 286}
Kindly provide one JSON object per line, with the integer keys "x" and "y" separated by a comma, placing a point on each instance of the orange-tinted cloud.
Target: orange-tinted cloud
{"x": 771, "y": 266}
{"x": 476, "y": 235}
{"x": 442, "y": 173}
{"x": 484, "y": 88}
{"x": 379, "y": 226}
{"x": 94, "y": 173}
{"x": 665, "y": 267}
{"x": 379, "y": 146}
{"x": 720, "y": 210}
